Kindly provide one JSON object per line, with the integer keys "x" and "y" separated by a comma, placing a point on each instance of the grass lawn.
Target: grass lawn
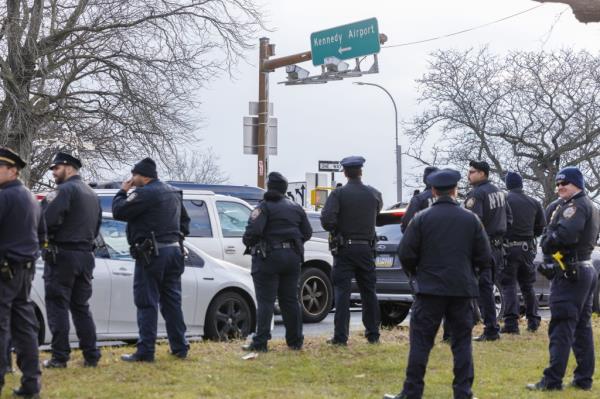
{"x": 216, "y": 370}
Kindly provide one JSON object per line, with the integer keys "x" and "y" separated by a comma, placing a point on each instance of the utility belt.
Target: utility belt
{"x": 524, "y": 245}
{"x": 74, "y": 246}
{"x": 496, "y": 242}
{"x": 565, "y": 266}
{"x": 9, "y": 268}
{"x": 263, "y": 248}
{"x": 146, "y": 249}
{"x": 284, "y": 245}
{"x": 338, "y": 241}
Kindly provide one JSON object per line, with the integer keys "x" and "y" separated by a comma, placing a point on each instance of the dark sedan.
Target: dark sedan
{"x": 393, "y": 288}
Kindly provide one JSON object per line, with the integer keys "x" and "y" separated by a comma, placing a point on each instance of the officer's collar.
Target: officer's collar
{"x": 355, "y": 181}
{"x": 72, "y": 178}
{"x": 516, "y": 190}
{"x": 445, "y": 199}
{"x": 12, "y": 183}
{"x": 578, "y": 195}
{"x": 481, "y": 183}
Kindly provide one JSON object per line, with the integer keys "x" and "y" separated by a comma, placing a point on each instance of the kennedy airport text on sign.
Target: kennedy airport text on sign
{"x": 347, "y": 41}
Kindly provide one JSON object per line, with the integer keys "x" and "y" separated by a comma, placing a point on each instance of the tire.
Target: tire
{"x": 315, "y": 294}
{"x": 393, "y": 313}
{"x": 229, "y": 317}
{"x": 499, "y": 301}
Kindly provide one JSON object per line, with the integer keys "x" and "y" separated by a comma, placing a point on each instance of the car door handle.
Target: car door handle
{"x": 122, "y": 272}
{"x": 230, "y": 250}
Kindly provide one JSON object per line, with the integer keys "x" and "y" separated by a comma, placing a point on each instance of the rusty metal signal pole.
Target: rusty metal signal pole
{"x": 265, "y": 66}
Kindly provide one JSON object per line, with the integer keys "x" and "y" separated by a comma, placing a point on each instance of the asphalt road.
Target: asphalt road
{"x": 325, "y": 328}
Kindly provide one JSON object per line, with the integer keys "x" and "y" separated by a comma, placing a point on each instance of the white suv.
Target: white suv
{"x": 217, "y": 225}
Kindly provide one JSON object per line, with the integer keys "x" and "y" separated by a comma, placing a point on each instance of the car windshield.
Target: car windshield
{"x": 390, "y": 233}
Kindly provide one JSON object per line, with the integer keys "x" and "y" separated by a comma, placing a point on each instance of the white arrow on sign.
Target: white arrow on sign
{"x": 344, "y": 49}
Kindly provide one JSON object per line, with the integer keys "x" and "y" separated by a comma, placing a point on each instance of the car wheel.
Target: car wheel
{"x": 42, "y": 329}
{"x": 499, "y": 302}
{"x": 229, "y": 316}
{"x": 316, "y": 295}
{"x": 393, "y": 313}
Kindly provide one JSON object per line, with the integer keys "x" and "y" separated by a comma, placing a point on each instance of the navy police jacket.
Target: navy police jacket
{"x": 73, "y": 214}
{"x": 22, "y": 226}
{"x": 489, "y": 203}
{"x": 441, "y": 249}
{"x": 527, "y": 214}
{"x": 156, "y": 207}
{"x": 417, "y": 203}
{"x": 351, "y": 210}
{"x": 276, "y": 219}
{"x": 573, "y": 228}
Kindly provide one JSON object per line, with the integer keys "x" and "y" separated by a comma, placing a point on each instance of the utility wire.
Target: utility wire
{"x": 462, "y": 31}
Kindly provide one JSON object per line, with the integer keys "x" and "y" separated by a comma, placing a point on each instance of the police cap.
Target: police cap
{"x": 62, "y": 158}
{"x": 480, "y": 165}
{"x": 571, "y": 174}
{"x": 443, "y": 179}
{"x": 10, "y": 158}
{"x": 428, "y": 170}
{"x": 352, "y": 162}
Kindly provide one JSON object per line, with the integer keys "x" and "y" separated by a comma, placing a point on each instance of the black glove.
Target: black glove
{"x": 547, "y": 270}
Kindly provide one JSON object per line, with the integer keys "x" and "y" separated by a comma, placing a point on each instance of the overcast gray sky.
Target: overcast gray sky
{"x": 337, "y": 119}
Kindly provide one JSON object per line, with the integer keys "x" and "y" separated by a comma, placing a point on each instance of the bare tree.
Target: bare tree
{"x": 530, "y": 112}
{"x": 111, "y": 79}
{"x": 584, "y": 10}
{"x": 197, "y": 167}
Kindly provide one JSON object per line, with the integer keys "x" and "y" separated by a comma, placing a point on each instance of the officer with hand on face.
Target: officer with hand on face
{"x": 521, "y": 246}
{"x": 420, "y": 201}
{"x": 441, "y": 249}
{"x": 73, "y": 217}
{"x": 275, "y": 236}
{"x": 569, "y": 239}
{"x": 489, "y": 203}
{"x": 21, "y": 231}
{"x": 156, "y": 225}
{"x": 349, "y": 215}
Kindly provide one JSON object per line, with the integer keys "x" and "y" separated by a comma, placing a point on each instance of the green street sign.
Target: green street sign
{"x": 344, "y": 42}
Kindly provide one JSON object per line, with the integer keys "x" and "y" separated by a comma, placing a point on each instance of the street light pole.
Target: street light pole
{"x": 398, "y": 148}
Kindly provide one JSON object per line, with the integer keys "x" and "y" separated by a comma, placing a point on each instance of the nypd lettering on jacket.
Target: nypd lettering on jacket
{"x": 489, "y": 203}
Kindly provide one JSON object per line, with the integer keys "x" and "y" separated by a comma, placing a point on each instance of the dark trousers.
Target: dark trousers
{"x": 154, "y": 285}
{"x": 427, "y": 313}
{"x": 487, "y": 301}
{"x": 277, "y": 276}
{"x": 19, "y": 323}
{"x": 571, "y": 328}
{"x": 355, "y": 261}
{"x": 68, "y": 286}
{"x": 519, "y": 269}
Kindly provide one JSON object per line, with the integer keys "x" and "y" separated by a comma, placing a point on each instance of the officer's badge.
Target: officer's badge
{"x": 569, "y": 212}
{"x": 131, "y": 197}
{"x": 470, "y": 203}
{"x": 255, "y": 213}
{"x": 51, "y": 195}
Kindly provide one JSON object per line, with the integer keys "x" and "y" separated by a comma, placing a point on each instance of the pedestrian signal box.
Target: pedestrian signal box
{"x": 318, "y": 196}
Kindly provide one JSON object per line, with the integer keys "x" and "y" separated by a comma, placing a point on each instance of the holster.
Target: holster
{"x": 336, "y": 241}
{"x": 260, "y": 249}
{"x": 143, "y": 251}
{"x": 49, "y": 253}
{"x": 7, "y": 273}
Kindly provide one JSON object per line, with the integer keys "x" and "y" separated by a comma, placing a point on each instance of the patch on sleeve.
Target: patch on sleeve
{"x": 51, "y": 196}
{"x": 131, "y": 196}
{"x": 470, "y": 203}
{"x": 569, "y": 212}
{"x": 255, "y": 213}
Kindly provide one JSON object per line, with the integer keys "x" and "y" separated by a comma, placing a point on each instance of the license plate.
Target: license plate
{"x": 384, "y": 261}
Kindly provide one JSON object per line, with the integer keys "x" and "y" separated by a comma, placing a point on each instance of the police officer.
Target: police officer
{"x": 21, "y": 230}
{"x": 156, "y": 224}
{"x": 419, "y": 201}
{"x": 441, "y": 249}
{"x": 489, "y": 203}
{"x": 73, "y": 217}
{"x": 349, "y": 215}
{"x": 276, "y": 232}
{"x": 521, "y": 246}
{"x": 570, "y": 238}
